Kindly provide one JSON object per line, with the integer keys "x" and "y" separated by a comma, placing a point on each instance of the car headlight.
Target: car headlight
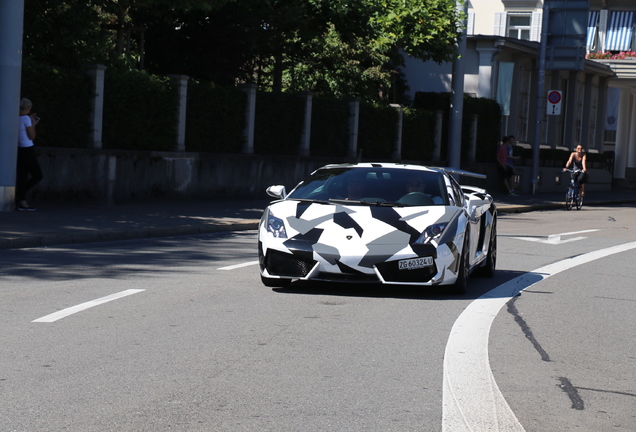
{"x": 276, "y": 227}
{"x": 432, "y": 232}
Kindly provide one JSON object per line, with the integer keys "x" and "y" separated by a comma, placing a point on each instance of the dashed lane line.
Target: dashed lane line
{"x": 233, "y": 267}
{"x": 80, "y": 307}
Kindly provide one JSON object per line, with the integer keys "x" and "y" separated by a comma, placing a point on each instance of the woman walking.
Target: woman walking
{"x": 28, "y": 172}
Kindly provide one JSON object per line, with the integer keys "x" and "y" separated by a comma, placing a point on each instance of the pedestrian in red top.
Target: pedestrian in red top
{"x": 505, "y": 164}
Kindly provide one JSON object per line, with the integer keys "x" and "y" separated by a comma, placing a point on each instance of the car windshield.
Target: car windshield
{"x": 374, "y": 185}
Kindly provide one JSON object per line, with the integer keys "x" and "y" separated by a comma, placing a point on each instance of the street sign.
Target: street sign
{"x": 553, "y": 106}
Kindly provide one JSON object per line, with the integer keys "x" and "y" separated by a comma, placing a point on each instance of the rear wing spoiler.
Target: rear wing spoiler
{"x": 464, "y": 173}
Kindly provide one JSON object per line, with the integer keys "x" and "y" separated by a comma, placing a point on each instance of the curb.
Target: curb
{"x": 108, "y": 236}
{"x": 158, "y": 232}
{"x": 524, "y": 208}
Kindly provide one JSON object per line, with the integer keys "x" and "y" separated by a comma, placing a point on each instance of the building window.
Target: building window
{"x": 519, "y": 26}
{"x": 620, "y": 31}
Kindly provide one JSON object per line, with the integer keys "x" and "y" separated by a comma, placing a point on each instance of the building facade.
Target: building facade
{"x": 502, "y": 58}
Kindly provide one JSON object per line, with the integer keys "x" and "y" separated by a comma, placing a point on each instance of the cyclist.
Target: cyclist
{"x": 578, "y": 159}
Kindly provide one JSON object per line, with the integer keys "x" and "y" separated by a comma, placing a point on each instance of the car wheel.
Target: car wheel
{"x": 488, "y": 270}
{"x": 275, "y": 282}
{"x": 460, "y": 286}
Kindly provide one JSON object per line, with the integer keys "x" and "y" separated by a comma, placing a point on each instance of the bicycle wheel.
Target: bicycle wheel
{"x": 569, "y": 199}
{"x": 579, "y": 201}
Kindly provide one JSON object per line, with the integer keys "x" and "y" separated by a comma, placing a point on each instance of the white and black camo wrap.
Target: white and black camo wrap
{"x": 359, "y": 240}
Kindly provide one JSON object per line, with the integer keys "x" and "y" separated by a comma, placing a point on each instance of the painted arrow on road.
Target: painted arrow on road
{"x": 555, "y": 239}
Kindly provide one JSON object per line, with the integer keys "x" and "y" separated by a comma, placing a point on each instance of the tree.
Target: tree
{"x": 358, "y": 49}
{"x": 331, "y": 47}
{"x": 425, "y": 30}
{"x": 73, "y": 32}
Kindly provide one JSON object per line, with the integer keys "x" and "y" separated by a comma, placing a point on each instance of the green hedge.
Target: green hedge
{"x": 140, "y": 111}
{"x": 377, "y": 132}
{"x": 61, "y": 98}
{"x": 215, "y": 118}
{"x": 418, "y": 135}
{"x": 489, "y": 122}
{"x": 329, "y": 127}
{"x": 279, "y": 123}
{"x": 488, "y": 127}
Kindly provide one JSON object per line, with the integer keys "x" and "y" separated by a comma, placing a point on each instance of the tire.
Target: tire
{"x": 488, "y": 270}
{"x": 569, "y": 199}
{"x": 275, "y": 282}
{"x": 461, "y": 285}
{"x": 579, "y": 201}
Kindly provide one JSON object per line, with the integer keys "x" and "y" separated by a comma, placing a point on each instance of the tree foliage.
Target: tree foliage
{"x": 331, "y": 47}
{"x": 73, "y": 32}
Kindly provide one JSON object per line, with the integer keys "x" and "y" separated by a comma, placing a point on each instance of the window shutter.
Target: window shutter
{"x": 470, "y": 25}
{"x": 500, "y": 24}
{"x": 537, "y": 23}
{"x": 592, "y": 22}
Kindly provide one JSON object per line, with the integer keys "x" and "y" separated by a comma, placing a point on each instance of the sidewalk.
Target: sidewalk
{"x": 59, "y": 224}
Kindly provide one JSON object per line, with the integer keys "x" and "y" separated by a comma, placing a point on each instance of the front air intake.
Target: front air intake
{"x": 283, "y": 264}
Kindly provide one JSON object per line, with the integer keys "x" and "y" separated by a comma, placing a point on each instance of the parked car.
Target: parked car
{"x": 379, "y": 223}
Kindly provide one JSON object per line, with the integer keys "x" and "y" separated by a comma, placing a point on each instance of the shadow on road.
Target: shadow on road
{"x": 477, "y": 286}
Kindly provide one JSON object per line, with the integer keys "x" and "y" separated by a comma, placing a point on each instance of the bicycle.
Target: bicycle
{"x": 573, "y": 196}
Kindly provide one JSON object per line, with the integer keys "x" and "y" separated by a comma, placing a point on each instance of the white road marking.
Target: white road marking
{"x": 233, "y": 267}
{"x": 472, "y": 400}
{"x": 80, "y": 307}
{"x": 555, "y": 239}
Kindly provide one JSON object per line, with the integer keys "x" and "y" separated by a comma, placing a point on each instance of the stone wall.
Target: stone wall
{"x": 115, "y": 176}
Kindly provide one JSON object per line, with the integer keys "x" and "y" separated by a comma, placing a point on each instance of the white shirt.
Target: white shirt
{"x": 23, "y": 138}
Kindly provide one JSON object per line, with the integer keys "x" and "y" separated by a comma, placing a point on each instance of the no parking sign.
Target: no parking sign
{"x": 554, "y": 102}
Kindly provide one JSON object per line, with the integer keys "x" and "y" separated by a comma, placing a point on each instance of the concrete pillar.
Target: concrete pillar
{"x": 622, "y": 134}
{"x": 305, "y": 141}
{"x": 250, "y": 118}
{"x": 97, "y": 73}
{"x": 354, "y": 122}
{"x": 11, "y": 19}
{"x": 107, "y": 166}
{"x": 437, "y": 146}
{"x": 630, "y": 150}
{"x": 569, "y": 110}
{"x": 472, "y": 150}
{"x": 181, "y": 82}
{"x": 397, "y": 152}
{"x": 601, "y": 112}
{"x": 587, "y": 119}
{"x": 484, "y": 85}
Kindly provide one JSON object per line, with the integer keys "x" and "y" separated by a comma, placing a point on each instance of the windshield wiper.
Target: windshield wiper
{"x": 363, "y": 202}
{"x": 311, "y": 200}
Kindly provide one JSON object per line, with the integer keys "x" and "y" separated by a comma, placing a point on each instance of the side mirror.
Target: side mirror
{"x": 277, "y": 191}
{"x": 474, "y": 214}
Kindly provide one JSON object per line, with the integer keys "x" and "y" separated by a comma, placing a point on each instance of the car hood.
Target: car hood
{"x": 371, "y": 223}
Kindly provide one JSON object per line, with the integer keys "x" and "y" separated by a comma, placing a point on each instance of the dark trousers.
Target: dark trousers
{"x": 581, "y": 177}
{"x": 28, "y": 173}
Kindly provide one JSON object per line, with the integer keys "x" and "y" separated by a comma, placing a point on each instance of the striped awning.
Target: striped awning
{"x": 592, "y": 21}
{"x": 620, "y": 31}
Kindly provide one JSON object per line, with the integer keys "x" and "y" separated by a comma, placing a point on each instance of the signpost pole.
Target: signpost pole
{"x": 539, "y": 104}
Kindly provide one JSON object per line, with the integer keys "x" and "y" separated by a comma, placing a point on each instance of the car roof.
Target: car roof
{"x": 394, "y": 165}
{"x": 407, "y": 167}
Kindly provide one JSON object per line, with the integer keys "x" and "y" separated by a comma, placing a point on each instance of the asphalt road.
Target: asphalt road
{"x": 179, "y": 334}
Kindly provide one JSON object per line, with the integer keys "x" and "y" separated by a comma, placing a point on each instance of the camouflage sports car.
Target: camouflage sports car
{"x": 379, "y": 222}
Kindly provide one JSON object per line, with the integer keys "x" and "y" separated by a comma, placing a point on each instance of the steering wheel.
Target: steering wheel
{"x": 416, "y": 198}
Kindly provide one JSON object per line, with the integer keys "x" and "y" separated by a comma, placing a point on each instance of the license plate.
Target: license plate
{"x": 415, "y": 263}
